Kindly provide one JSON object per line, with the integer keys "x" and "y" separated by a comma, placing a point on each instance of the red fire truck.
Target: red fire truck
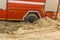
{"x": 28, "y": 10}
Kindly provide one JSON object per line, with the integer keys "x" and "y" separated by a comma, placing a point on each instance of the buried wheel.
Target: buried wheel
{"x": 31, "y": 18}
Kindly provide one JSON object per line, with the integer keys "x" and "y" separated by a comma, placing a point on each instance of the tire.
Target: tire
{"x": 31, "y": 18}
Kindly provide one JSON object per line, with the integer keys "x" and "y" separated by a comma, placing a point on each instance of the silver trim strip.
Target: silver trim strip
{"x": 27, "y": 2}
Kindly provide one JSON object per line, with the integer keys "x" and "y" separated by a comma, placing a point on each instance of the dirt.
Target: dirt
{"x": 42, "y": 29}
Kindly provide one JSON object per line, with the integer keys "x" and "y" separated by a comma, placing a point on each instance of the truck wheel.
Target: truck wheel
{"x": 31, "y": 18}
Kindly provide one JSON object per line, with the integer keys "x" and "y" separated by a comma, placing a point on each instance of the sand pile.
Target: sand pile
{"x": 41, "y": 24}
{"x": 48, "y": 23}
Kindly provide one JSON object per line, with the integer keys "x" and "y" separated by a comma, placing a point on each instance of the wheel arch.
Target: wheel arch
{"x": 35, "y": 12}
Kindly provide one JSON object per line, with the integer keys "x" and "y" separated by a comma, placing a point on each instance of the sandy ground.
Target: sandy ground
{"x": 42, "y": 29}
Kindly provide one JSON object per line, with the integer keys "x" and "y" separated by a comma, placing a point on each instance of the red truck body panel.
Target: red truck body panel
{"x": 16, "y": 10}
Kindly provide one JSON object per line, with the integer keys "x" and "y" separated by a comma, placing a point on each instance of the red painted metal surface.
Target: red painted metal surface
{"x": 33, "y": 0}
{"x": 3, "y": 14}
{"x": 18, "y": 10}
